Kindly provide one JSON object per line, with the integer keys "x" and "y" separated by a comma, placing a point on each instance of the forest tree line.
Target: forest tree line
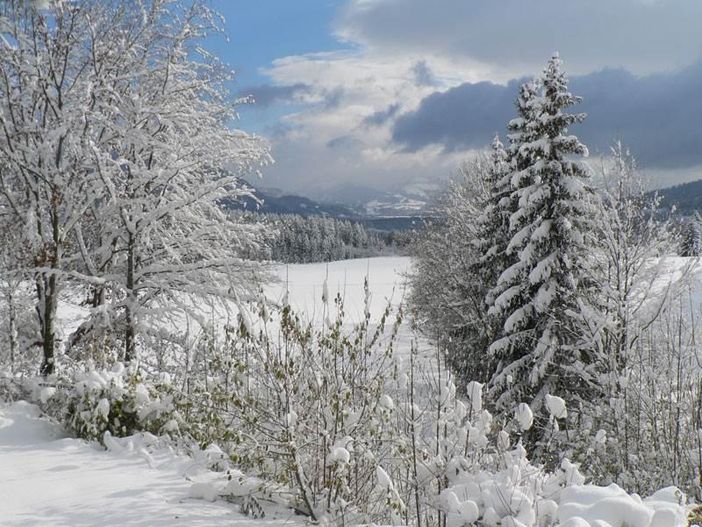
{"x": 293, "y": 238}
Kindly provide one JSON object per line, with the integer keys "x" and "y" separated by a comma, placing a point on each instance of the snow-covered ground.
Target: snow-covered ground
{"x": 304, "y": 284}
{"x": 49, "y": 479}
{"x": 386, "y": 279}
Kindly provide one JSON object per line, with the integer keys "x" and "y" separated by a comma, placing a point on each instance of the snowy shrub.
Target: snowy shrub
{"x": 455, "y": 464}
{"x": 120, "y": 401}
{"x": 210, "y": 390}
{"x": 347, "y": 431}
{"x": 653, "y": 424}
{"x": 308, "y": 409}
{"x": 467, "y": 468}
{"x": 10, "y": 388}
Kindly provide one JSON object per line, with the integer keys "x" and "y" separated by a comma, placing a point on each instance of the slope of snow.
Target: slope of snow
{"x": 304, "y": 283}
{"x": 48, "y": 479}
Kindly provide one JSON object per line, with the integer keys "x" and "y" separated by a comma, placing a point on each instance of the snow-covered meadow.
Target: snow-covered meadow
{"x": 305, "y": 282}
{"x": 47, "y": 477}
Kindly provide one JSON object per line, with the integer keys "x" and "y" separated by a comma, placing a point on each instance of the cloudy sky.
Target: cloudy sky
{"x": 391, "y": 93}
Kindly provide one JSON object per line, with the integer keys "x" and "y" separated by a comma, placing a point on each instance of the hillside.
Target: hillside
{"x": 687, "y": 198}
{"x": 273, "y": 201}
{"x": 376, "y": 209}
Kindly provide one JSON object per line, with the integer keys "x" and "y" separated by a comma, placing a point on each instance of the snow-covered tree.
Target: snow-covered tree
{"x": 162, "y": 168}
{"x": 45, "y": 96}
{"x": 337, "y": 239}
{"x": 542, "y": 293}
{"x": 17, "y": 322}
{"x": 493, "y": 223}
{"x": 448, "y": 289}
{"x": 117, "y": 151}
{"x": 632, "y": 237}
{"x": 633, "y": 300}
{"x": 691, "y": 234}
{"x": 510, "y": 288}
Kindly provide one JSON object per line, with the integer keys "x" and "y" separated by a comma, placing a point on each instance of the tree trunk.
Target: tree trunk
{"x": 13, "y": 327}
{"x": 50, "y": 302}
{"x": 130, "y": 333}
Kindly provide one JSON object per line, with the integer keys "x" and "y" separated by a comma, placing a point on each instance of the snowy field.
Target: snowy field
{"x": 386, "y": 278}
{"x": 48, "y": 479}
{"x": 304, "y": 284}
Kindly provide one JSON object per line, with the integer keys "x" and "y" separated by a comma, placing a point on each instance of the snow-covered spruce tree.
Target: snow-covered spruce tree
{"x": 542, "y": 350}
{"x": 511, "y": 288}
{"x": 493, "y": 223}
{"x": 162, "y": 166}
{"x": 448, "y": 292}
{"x": 691, "y": 236}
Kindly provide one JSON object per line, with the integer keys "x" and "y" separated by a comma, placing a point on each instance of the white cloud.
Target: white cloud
{"x": 359, "y": 84}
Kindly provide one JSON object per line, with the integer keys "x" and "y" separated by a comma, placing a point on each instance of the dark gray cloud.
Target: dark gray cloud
{"x": 343, "y": 141}
{"x": 656, "y": 115}
{"x": 332, "y": 98}
{"x": 265, "y": 95}
{"x": 643, "y": 36}
{"x": 460, "y": 118}
{"x": 382, "y": 116}
{"x": 423, "y": 76}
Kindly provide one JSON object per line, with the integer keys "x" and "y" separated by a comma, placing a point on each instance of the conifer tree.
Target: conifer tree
{"x": 540, "y": 296}
{"x": 509, "y": 288}
{"x": 516, "y": 177}
{"x": 494, "y": 220}
{"x": 691, "y": 243}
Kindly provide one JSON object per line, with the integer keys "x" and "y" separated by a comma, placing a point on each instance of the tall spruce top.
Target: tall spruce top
{"x": 554, "y": 100}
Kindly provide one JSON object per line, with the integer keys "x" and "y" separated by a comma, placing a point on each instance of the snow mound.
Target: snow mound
{"x": 611, "y": 506}
{"x": 21, "y": 424}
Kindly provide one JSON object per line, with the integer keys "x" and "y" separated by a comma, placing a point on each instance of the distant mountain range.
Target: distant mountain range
{"x": 274, "y": 201}
{"x": 687, "y": 198}
{"x": 407, "y": 208}
{"x": 377, "y": 209}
